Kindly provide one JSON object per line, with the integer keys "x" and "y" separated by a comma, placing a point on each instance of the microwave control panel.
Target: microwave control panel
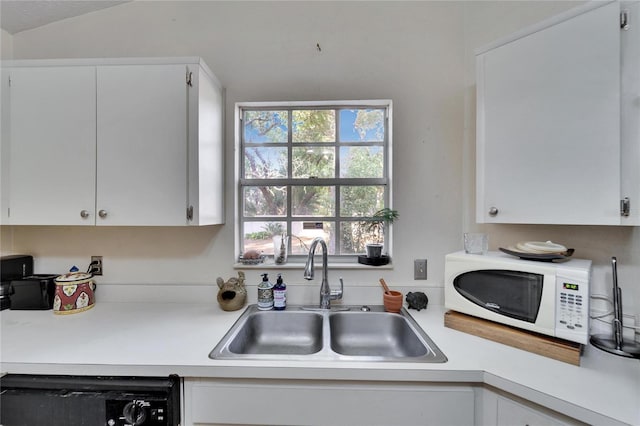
{"x": 572, "y": 306}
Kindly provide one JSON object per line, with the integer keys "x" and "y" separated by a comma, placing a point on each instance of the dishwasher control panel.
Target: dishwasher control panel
{"x": 137, "y": 412}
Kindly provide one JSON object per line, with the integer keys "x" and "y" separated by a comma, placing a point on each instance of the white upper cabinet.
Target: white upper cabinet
{"x": 115, "y": 143}
{"x": 142, "y": 145}
{"x": 549, "y": 103}
{"x": 52, "y": 149}
{"x": 630, "y": 119}
{"x": 5, "y": 135}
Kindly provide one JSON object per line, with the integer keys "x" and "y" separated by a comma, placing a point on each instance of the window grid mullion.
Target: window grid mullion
{"x": 337, "y": 173}
{"x": 315, "y": 182}
{"x": 289, "y": 174}
{"x": 386, "y": 164}
{"x": 241, "y": 199}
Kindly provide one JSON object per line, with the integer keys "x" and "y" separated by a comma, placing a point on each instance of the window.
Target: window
{"x": 310, "y": 170}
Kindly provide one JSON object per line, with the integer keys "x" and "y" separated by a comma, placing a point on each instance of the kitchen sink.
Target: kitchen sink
{"x": 348, "y": 333}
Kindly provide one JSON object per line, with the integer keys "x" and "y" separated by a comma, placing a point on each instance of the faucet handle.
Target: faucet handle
{"x": 337, "y": 294}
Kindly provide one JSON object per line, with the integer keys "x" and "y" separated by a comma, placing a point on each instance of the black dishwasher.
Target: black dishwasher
{"x": 47, "y": 400}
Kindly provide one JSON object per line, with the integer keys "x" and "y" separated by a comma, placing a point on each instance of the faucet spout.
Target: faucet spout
{"x": 326, "y": 294}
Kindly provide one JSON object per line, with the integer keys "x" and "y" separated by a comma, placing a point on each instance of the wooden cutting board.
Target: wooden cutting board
{"x": 551, "y": 347}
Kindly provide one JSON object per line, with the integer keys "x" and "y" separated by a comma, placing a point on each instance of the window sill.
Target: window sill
{"x": 270, "y": 264}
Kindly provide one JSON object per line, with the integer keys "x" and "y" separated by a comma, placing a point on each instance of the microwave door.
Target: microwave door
{"x": 514, "y": 294}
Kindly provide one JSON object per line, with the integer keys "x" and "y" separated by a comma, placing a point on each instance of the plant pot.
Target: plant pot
{"x": 374, "y": 250}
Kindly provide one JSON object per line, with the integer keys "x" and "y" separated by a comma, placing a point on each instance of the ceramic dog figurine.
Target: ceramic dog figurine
{"x": 232, "y": 294}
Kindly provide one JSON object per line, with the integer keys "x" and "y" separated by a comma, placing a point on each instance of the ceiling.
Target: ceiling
{"x": 22, "y": 15}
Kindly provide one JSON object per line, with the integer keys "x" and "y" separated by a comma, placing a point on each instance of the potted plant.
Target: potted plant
{"x": 376, "y": 226}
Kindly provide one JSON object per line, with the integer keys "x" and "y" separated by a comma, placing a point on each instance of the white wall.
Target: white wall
{"x": 420, "y": 54}
{"x": 6, "y": 45}
{"x": 266, "y": 51}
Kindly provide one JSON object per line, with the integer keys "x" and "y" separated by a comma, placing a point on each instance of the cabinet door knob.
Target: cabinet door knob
{"x": 493, "y": 211}
{"x": 102, "y": 213}
{"x": 84, "y": 214}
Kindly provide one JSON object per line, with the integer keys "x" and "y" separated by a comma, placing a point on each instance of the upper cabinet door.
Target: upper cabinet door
{"x": 5, "y": 137}
{"x": 630, "y": 120}
{"x": 52, "y": 148}
{"x": 206, "y": 148}
{"x": 142, "y": 145}
{"x": 548, "y": 123}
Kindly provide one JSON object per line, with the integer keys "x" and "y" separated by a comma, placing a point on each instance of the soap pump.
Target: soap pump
{"x": 265, "y": 294}
{"x": 279, "y": 294}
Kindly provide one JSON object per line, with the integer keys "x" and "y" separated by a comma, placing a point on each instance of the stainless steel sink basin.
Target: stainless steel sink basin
{"x": 374, "y": 334}
{"x": 272, "y": 332}
{"x": 303, "y": 333}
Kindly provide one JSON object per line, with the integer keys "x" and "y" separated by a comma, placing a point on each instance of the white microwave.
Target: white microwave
{"x": 543, "y": 297}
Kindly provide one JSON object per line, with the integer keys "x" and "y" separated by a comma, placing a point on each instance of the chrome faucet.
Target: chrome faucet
{"x": 326, "y": 295}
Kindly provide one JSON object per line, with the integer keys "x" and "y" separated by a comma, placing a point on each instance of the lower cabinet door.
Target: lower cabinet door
{"x": 503, "y": 409}
{"x": 294, "y": 402}
{"x": 512, "y": 413}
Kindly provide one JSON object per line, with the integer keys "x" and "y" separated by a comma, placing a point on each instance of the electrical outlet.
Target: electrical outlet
{"x": 420, "y": 269}
{"x": 96, "y": 268}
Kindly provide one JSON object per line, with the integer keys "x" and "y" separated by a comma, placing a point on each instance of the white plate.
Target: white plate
{"x": 545, "y": 257}
{"x": 540, "y": 247}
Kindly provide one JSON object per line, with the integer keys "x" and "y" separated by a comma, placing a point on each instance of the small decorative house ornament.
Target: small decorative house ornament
{"x": 232, "y": 294}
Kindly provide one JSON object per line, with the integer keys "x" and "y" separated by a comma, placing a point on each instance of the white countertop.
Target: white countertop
{"x": 164, "y": 338}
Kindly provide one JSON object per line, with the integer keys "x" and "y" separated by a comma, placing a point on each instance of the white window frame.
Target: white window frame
{"x": 386, "y": 180}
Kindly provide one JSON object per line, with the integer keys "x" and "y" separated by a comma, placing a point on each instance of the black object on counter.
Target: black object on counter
{"x": 33, "y": 292}
{"x": 417, "y": 300}
{"x": 13, "y": 267}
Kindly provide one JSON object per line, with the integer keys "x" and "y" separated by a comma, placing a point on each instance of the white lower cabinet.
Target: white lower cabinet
{"x": 502, "y": 409}
{"x": 304, "y": 402}
{"x": 333, "y": 402}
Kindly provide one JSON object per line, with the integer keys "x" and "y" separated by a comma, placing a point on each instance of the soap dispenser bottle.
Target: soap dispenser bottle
{"x": 265, "y": 294}
{"x": 279, "y": 295}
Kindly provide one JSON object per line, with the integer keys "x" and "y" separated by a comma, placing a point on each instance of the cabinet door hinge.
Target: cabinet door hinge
{"x": 189, "y": 78}
{"x": 625, "y": 207}
{"x": 190, "y": 213}
{"x": 624, "y": 20}
{"x": 9, "y": 81}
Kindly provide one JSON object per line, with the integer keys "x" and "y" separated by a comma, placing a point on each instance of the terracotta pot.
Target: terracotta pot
{"x": 392, "y": 301}
{"x": 74, "y": 293}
